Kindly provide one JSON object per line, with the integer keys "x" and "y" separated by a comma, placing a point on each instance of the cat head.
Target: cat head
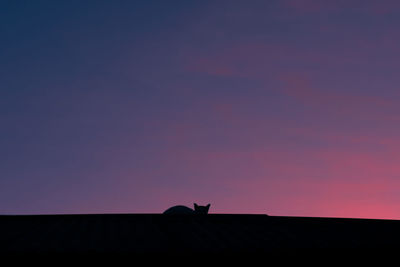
{"x": 201, "y": 209}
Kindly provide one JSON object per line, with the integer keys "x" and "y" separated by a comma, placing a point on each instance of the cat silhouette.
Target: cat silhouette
{"x": 180, "y": 209}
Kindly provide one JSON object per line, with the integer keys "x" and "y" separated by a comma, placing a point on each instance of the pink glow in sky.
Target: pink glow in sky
{"x": 284, "y": 107}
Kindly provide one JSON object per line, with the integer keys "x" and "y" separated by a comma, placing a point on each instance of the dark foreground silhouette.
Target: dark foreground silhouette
{"x": 182, "y": 233}
{"x": 179, "y": 210}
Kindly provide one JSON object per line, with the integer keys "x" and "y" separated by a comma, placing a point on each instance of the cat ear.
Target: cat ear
{"x": 195, "y": 205}
{"x": 208, "y": 205}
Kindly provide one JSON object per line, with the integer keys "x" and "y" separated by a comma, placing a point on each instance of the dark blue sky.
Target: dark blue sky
{"x": 286, "y": 107}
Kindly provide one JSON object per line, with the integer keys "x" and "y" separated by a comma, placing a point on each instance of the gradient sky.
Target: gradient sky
{"x": 285, "y": 107}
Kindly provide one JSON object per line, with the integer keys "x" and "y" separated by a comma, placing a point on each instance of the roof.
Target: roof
{"x": 169, "y": 233}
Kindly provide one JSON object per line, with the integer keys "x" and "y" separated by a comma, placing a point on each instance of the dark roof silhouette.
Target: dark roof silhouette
{"x": 191, "y": 233}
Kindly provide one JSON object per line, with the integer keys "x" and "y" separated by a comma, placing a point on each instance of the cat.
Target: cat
{"x": 180, "y": 209}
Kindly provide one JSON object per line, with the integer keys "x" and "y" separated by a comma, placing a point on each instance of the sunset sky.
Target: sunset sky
{"x": 284, "y": 107}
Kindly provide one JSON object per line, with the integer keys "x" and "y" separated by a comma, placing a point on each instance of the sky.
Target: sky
{"x": 283, "y": 107}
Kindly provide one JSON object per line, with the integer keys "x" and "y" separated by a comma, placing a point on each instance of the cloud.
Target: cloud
{"x": 311, "y": 6}
{"x": 301, "y": 87}
{"x": 380, "y": 8}
{"x": 211, "y": 66}
{"x": 367, "y": 7}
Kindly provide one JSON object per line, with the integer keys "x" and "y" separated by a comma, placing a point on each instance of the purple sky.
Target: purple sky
{"x": 285, "y": 107}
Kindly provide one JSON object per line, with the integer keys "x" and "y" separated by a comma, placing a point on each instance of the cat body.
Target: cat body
{"x": 180, "y": 209}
